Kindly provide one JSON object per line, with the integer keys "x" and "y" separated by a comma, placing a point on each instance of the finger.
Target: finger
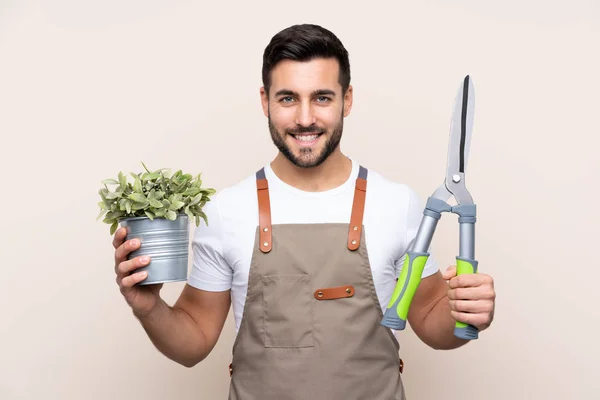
{"x": 130, "y": 280}
{"x": 470, "y": 280}
{"x": 124, "y": 249}
{"x": 119, "y": 237}
{"x": 472, "y": 306}
{"x": 126, "y": 267}
{"x": 478, "y": 320}
{"x": 472, "y": 293}
{"x": 449, "y": 273}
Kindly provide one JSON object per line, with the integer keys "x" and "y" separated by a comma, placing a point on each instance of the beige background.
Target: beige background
{"x": 91, "y": 88}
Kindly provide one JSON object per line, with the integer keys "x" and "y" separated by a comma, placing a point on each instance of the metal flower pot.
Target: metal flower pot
{"x": 166, "y": 242}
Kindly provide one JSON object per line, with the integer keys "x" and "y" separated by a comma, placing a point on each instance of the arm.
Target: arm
{"x": 188, "y": 331}
{"x": 429, "y": 314}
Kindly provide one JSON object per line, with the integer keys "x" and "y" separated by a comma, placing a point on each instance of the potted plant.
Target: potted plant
{"x": 156, "y": 208}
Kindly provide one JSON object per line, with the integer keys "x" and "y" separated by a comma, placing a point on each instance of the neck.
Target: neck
{"x": 333, "y": 172}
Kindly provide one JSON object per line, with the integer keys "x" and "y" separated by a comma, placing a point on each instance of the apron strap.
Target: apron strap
{"x": 264, "y": 211}
{"x": 358, "y": 207}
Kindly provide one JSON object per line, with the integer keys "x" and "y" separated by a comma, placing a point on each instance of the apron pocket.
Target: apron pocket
{"x": 288, "y": 311}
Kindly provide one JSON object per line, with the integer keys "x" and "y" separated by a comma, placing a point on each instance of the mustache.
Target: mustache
{"x": 308, "y": 129}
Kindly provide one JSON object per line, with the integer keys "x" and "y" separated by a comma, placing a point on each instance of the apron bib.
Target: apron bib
{"x": 311, "y": 328}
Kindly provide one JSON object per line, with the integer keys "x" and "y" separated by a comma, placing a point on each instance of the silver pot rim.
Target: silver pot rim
{"x": 146, "y": 217}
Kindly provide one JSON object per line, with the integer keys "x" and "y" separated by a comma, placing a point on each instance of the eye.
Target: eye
{"x": 286, "y": 99}
{"x": 323, "y": 99}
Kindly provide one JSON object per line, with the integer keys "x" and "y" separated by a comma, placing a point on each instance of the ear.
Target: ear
{"x": 348, "y": 101}
{"x": 264, "y": 99}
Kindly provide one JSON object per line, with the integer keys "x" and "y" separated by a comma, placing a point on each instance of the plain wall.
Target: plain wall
{"x": 88, "y": 89}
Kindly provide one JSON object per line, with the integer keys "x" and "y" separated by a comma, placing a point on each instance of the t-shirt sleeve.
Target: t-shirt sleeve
{"x": 210, "y": 270}
{"x": 413, "y": 220}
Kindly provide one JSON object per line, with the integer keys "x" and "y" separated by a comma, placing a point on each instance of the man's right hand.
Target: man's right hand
{"x": 142, "y": 298}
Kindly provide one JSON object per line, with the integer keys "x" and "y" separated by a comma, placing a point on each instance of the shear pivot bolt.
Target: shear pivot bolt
{"x": 455, "y": 178}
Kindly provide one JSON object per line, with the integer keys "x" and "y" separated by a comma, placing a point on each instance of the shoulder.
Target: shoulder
{"x": 385, "y": 192}
{"x": 234, "y": 203}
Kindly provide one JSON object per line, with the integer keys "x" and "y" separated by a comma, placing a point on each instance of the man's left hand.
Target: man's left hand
{"x": 472, "y": 298}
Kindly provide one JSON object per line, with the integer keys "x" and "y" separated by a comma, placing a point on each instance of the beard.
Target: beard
{"x": 308, "y": 157}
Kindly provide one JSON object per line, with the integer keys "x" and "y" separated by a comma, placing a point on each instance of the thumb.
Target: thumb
{"x": 449, "y": 273}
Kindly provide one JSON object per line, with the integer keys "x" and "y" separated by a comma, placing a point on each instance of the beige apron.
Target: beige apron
{"x": 311, "y": 323}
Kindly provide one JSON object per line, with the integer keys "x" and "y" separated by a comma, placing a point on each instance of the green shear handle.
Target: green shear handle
{"x": 462, "y": 330}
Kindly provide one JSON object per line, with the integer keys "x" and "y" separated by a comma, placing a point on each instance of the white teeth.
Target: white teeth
{"x": 307, "y": 138}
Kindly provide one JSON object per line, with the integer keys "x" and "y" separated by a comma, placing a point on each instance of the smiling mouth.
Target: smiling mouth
{"x": 307, "y": 138}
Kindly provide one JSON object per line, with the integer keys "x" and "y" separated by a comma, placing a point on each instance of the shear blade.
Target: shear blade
{"x": 461, "y": 128}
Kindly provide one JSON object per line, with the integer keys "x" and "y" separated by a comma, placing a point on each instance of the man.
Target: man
{"x": 307, "y": 250}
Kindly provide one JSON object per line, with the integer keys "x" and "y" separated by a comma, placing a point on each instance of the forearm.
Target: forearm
{"x": 175, "y": 334}
{"x": 437, "y": 326}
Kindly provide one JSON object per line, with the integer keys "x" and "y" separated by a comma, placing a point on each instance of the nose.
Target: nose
{"x": 305, "y": 115}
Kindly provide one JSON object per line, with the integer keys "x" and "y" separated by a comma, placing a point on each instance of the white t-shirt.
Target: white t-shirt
{"x": 223, "y": 249}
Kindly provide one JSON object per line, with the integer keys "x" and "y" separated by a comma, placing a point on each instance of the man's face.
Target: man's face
{"x": 306, "y": 110}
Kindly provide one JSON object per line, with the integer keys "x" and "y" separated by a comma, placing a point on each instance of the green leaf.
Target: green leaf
{"x": 138, "y": 197}
{"x": 114, "y": 214}
{"x": 171, "y": 215}
{"x": 146, "y": 168}
{"x": 100, "y": 215}
{"x": 189, "y": 213}
{"x": 128, "y": 206}
{"x": 112, "y": 195}
{"x": 137, "y": 186}
{"x": 149, "y": 215}
{"x": 196, "y": 199}
{"x": 191, "y": 191}
{"x": 176, "y": 205}
{"x": 138, "y": 206}
{"x": 150, "y": 176}
{"x": 155, "y": 203}
{"x": 114, "y": 227}
{"x": 203, "y": 216}
{"x": 110, "y": 182}
{"x": 122, "y": 180}
{"x": 174, "y": 198}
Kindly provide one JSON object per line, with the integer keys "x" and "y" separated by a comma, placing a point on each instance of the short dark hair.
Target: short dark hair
{"x": 305, "y": 42}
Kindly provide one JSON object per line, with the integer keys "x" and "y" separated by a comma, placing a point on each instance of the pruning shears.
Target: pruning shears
{"x": 461, "y": 128}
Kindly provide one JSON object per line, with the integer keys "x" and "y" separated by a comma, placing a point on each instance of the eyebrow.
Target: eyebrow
{"x": 318, "y": 92}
